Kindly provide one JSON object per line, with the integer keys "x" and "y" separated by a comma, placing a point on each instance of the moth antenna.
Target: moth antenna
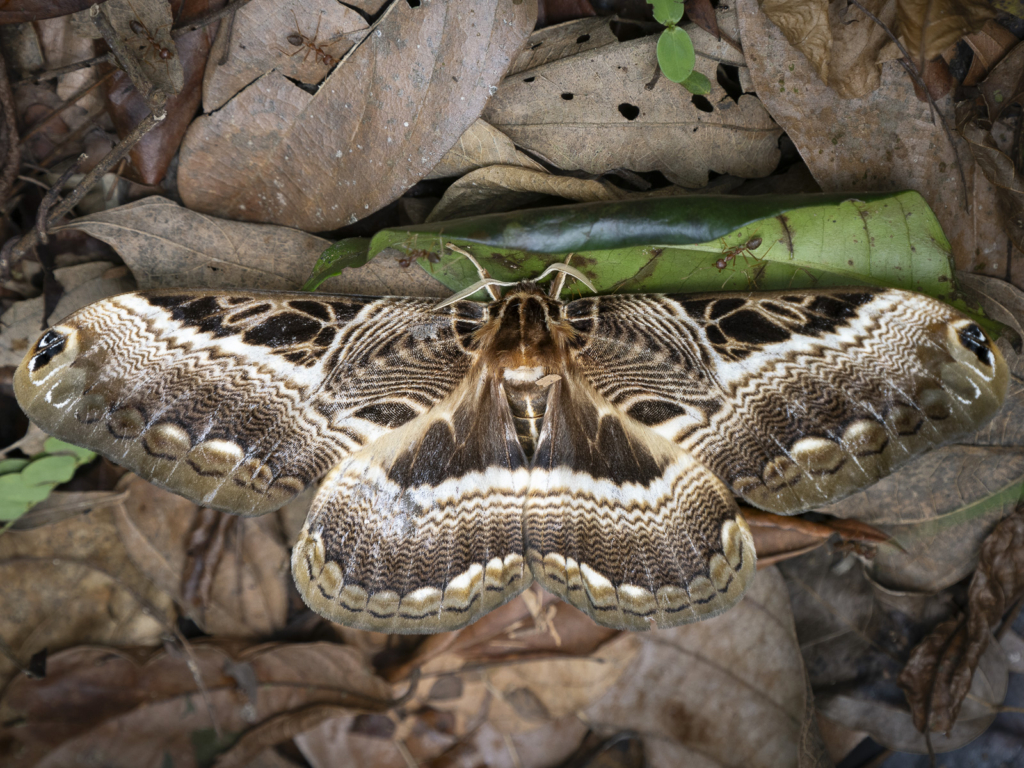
{"x": 565, "y": 269}
{"x": 480, "y": 271}
{"x": 559, "y": 282}
{"x": 487, "y": 283}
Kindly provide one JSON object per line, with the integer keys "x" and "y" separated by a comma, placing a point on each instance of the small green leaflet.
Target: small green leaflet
{"x": 26, "y": 482}
{"x": 667, "y": 12}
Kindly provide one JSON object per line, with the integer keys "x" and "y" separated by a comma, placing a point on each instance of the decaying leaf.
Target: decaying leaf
{"x": 167, "y": 245}
{"x": 940, "y": 671}
{"x": 562, "y": 40}
{"x": 229, "y": 575}
{"x": 133, "y": 708}
{"x": 928, "y": 27}
{"x": 635, "y": 119}
{"x": 805, "y": 25}
{"x": 499, "y": 188}
{"x": 1001, "y": 300}
{"x": 1000, "y": 172}
{"x": 480, "y": 146}
{"x": 378, "y": 124}
{"x": 1004, "y": 85}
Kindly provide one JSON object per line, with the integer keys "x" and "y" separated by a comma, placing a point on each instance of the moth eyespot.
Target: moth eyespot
{"x": 973, "y": 338}
{"x": 49, "y": 346}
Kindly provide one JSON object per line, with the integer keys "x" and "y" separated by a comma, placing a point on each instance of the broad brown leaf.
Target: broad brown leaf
{"x": 378, "y": 124}
{"x": 928, "y": 27}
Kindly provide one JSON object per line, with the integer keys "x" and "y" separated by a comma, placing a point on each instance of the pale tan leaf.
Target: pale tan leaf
{"x": 481, "y": 145}
{"x": 562, "y": 40}
{"x": 259, "y": 43}
{"x": 595, "y": 112}
{"x": 500, "y": 188}
{"x": 806, "y": 26}
{"x": 857, "y": 46}
{"x": 380, "y": 122}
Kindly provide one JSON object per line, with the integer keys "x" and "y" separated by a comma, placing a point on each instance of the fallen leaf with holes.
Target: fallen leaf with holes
{"x": 855, "y": 636}
{"x": 636, "y": 119}
{"x": 480, "y": 146}
{"x": 379, "y": 123}
{"x": 169, "y": 246}
{"x": 499, "y": 188}
{"x": 84, "y": 283}
{"x": 302, "y": 41}
{"x": 128, "y": 708}
{"x": 230, "y": 575}
{"x": 562, "y": 40}
{"x": 885, "y": 141}
{"x": 69, "y": 583}
{"x": 941, "y": 669}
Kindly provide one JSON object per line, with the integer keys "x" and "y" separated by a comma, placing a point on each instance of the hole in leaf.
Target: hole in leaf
{"x": 413, "y": 3}
{"x": 582, "y": 39}
{"x": 728, "y": 77}
{"x": 701, "y": 103}
{"x": 629, "y": 111}
{"x": 567, "y": 96}
{"x": 529, "y": 79}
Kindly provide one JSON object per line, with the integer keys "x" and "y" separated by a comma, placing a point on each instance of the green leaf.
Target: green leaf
{"x": 667, "y": 12}
{"x": 14, "y": 488}
{"x": 350, "y": 252}
{"x": 675, "y": 54}
{"x": 12, "y": 465}
{"x": 12, "y": 510}
{"x": 49, "y": 470}
{"x": 81, "y": 455}
{"x": 697, "y": 83}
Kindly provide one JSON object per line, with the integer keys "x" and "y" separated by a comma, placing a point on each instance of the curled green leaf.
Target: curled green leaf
{"x": 697, "y": 84}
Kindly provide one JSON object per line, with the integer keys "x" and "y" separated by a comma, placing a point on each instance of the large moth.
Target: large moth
{"x": 594, "y": 445}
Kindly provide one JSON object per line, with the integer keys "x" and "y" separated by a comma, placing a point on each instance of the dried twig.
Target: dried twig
{"x": 69, "y": 102}
{"x": 51, "y": 197}
{"x": 908, "y": 64}
{"x": 227, "y": 10}
{"x": 10, "y": 149}
{"x": 155, "y": 98}
{"x": 51, "y": 74}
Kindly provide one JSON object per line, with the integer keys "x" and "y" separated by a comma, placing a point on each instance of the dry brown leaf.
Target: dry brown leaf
{"x": 941, "y": 669}
{"x": 84, "y": 283}
{"x": 481, "y": 145}
{"x": 378, "y": 124}
{"x": 258, "y": 42}
{"x": 125, "y": 710}
{"x": 557, "y": 111}
{"x": 689, "y": 686}
{"x": 245, "y": 585}
{"x": 1001, "y": 301}
{"x": 561, "y": 41}
{"x": 885, "y": 141}
{"x": 855, "y": 636}
{"x": 857, "y": 46}
{"x": 1004, "y": 85}
{"x": 70, "y": 583}
{"x": 500, "y": 188}
{"x": 806, "y": 26}
{"x": 990, "y": 44}
{"x": 169, "y": 246}
{"x": 1000, "y": 172}
{"x": 558, "y": 11}
{"x": 932, "y": 26}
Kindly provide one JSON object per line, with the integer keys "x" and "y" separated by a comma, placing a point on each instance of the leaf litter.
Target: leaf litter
{"x": 534, "y": 683}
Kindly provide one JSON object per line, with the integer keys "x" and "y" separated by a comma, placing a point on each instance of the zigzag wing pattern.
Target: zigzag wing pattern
{"x": 625, "y": 525}
{"x": 239, "y": 401}
{"x": 793, "y": 399}
{"x": 422, "y": 531}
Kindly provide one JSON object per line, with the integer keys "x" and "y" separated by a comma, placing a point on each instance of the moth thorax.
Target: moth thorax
{"x": 526, "y": 390}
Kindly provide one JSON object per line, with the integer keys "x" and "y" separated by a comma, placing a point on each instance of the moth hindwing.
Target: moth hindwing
{"x": 595, "y": 446}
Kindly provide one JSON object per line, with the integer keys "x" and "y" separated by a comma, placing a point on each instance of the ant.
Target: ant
{"x": 741, "y": 250}
{"x": 139, "y": 28}
{"x": 298, "y": 40}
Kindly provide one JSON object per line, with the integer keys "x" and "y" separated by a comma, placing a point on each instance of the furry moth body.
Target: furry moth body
{"x": 595, "y": 445}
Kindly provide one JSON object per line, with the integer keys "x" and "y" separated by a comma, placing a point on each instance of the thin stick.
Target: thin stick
{"x": 51, "y": 74}
{"x": 74, "y": 99}
{"x": 155, "y": 98}
{"x": 9, "y": 134}
{"x": 51, "y": 197}
{"x": 206, "y": 20}
{"x": 915, "y": 73}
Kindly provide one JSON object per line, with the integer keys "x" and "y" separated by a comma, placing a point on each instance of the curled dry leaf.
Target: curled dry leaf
{"x": 888, "y": 140}
{"x": 480, "y": 146}
{"x": 169, "y": 246}
{"x": 378, "y": 124}
{"x": 940, "y": 670}
{"x": 636, "y": 119}
{"x": 928, "y": 27}
{"x": 1004, "y": 85}
{"x": 806, "y": 26}
{"x": 124, "y": 710}
{"x": 303, "y": 41}
{"x": 1002, "y": 301}
{"x": 500, "y": 188}
{"x": 561, "y": 41}
{"x": 230, "y": 575}
{"x": 690, "y": 686}
{"x": 69, "y": 583}
{"x": 84, "y": 283}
